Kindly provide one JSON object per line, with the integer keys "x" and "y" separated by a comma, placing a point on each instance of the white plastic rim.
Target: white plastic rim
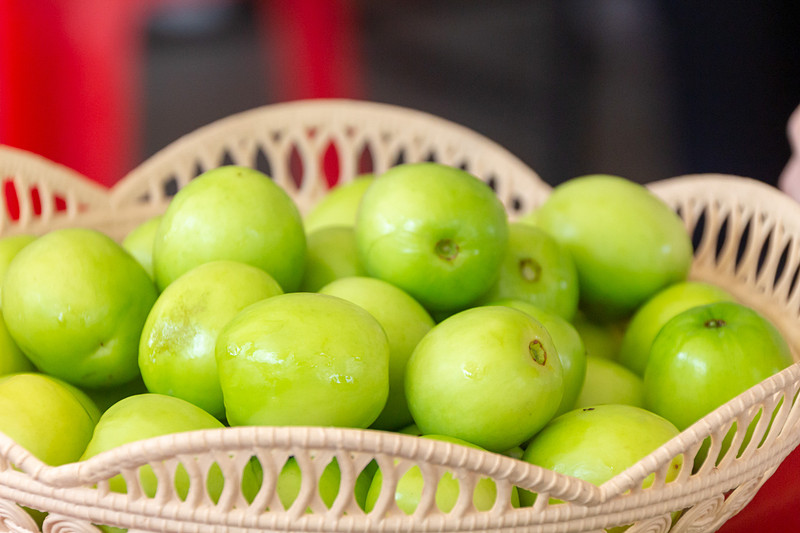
{"x": 748, "y": 241}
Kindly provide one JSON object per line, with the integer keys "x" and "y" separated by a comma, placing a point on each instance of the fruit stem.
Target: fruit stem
{"x": 529, "y": 269}
{"x": 715, "y": 323}
{"x": 447, "y": 249}
{"x": 538, "y": 353}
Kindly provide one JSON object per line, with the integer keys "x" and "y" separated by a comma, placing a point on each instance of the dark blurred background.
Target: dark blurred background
{"x": 645, "y": 89}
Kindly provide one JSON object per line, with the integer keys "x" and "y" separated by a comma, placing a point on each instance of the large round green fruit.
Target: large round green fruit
{"x": 303, "y": 359}
{"x": 437, "y": 232}
{"x": 707, "y": 355}
{"x": 148, "y": 415}
{"x": 626, "y": 242}
{"x": 570, "y": 348}
{"x": 75, "y": 302}
{"x": 232, "y": 213}
{"x": 488, "y": 375}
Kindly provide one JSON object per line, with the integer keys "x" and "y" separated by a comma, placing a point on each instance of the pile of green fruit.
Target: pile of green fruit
{"x": 405, "y": 302}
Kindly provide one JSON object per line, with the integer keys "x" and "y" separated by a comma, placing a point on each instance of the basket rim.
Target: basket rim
{"x": 370, "y": 441}
{"x": 316, "y": 106}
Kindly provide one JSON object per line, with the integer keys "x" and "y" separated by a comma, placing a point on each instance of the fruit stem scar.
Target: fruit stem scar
{"x": 714, "y": 323}
{"x": 446, "y": 249}
{"x": 538, "y": 353}
{"x": 530, "y": 269}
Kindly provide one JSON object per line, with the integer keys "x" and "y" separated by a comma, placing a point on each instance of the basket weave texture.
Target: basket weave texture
{"x": 747, "y": 237}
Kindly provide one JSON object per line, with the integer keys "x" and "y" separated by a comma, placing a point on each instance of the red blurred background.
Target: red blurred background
{"x": 645, "y": 89}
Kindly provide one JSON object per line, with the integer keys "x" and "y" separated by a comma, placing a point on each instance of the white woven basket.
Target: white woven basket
{"x": 748, "y": 237}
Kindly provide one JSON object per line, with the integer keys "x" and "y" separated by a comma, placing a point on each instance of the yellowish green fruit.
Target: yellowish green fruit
{"x": 48, "y": 417}
{"x": 339, "y": 206}
{"x": 139, "y": 243}
{"x": 331, "y": 255}
{"x": 608, "y": 382}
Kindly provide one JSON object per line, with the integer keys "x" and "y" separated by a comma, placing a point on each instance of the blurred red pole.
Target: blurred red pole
{"x": 312, "y": 49}
{"x": 70, "y": 82}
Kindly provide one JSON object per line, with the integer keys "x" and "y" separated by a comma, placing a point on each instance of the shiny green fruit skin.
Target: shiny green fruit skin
{"x": 339, "y": 206}
{"x": 707, "y": 355}
{"x": 232, "y": 213}
{"x": 435, "y": 231}
{"x": 177, "y": 354}
{"x": 405, "y": 322}
{"x": 627, "y": 243}
{"x": 570, "y": 348}
{"x": 80, "y": 322}
{"x": 139, "y": 243}
{"x": 331, "y": 254}
{"x": 48, "y": 417}
{"x": 488, "y": 375}
{"x": 303, "y": 359}
{"x": 149, "y": 415}
{"x": 608, "y": 382}
{"x": 597, "y": 443}
{"x": 409, "y": 487}
{"x": 651, "y": 317}
{"x": 537, "y": 270}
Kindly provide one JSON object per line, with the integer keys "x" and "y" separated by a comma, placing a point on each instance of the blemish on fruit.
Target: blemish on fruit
{"x": 530, "y": 270}
{"x": 588, "y": 408}
{"x": 446, "y": 249}
{"x": 538, "y": 352}
{"x": 714, "y": 323}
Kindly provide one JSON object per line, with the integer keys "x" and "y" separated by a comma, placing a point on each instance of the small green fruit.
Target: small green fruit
{"x": 339, "y": 206}
{"x": 608, "y": 382}
{"x": 139, "y": 243}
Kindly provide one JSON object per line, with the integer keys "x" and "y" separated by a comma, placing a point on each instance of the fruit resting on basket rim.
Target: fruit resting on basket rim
{"x": 598, "y": 442}
{"x": 626, "y": 242}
